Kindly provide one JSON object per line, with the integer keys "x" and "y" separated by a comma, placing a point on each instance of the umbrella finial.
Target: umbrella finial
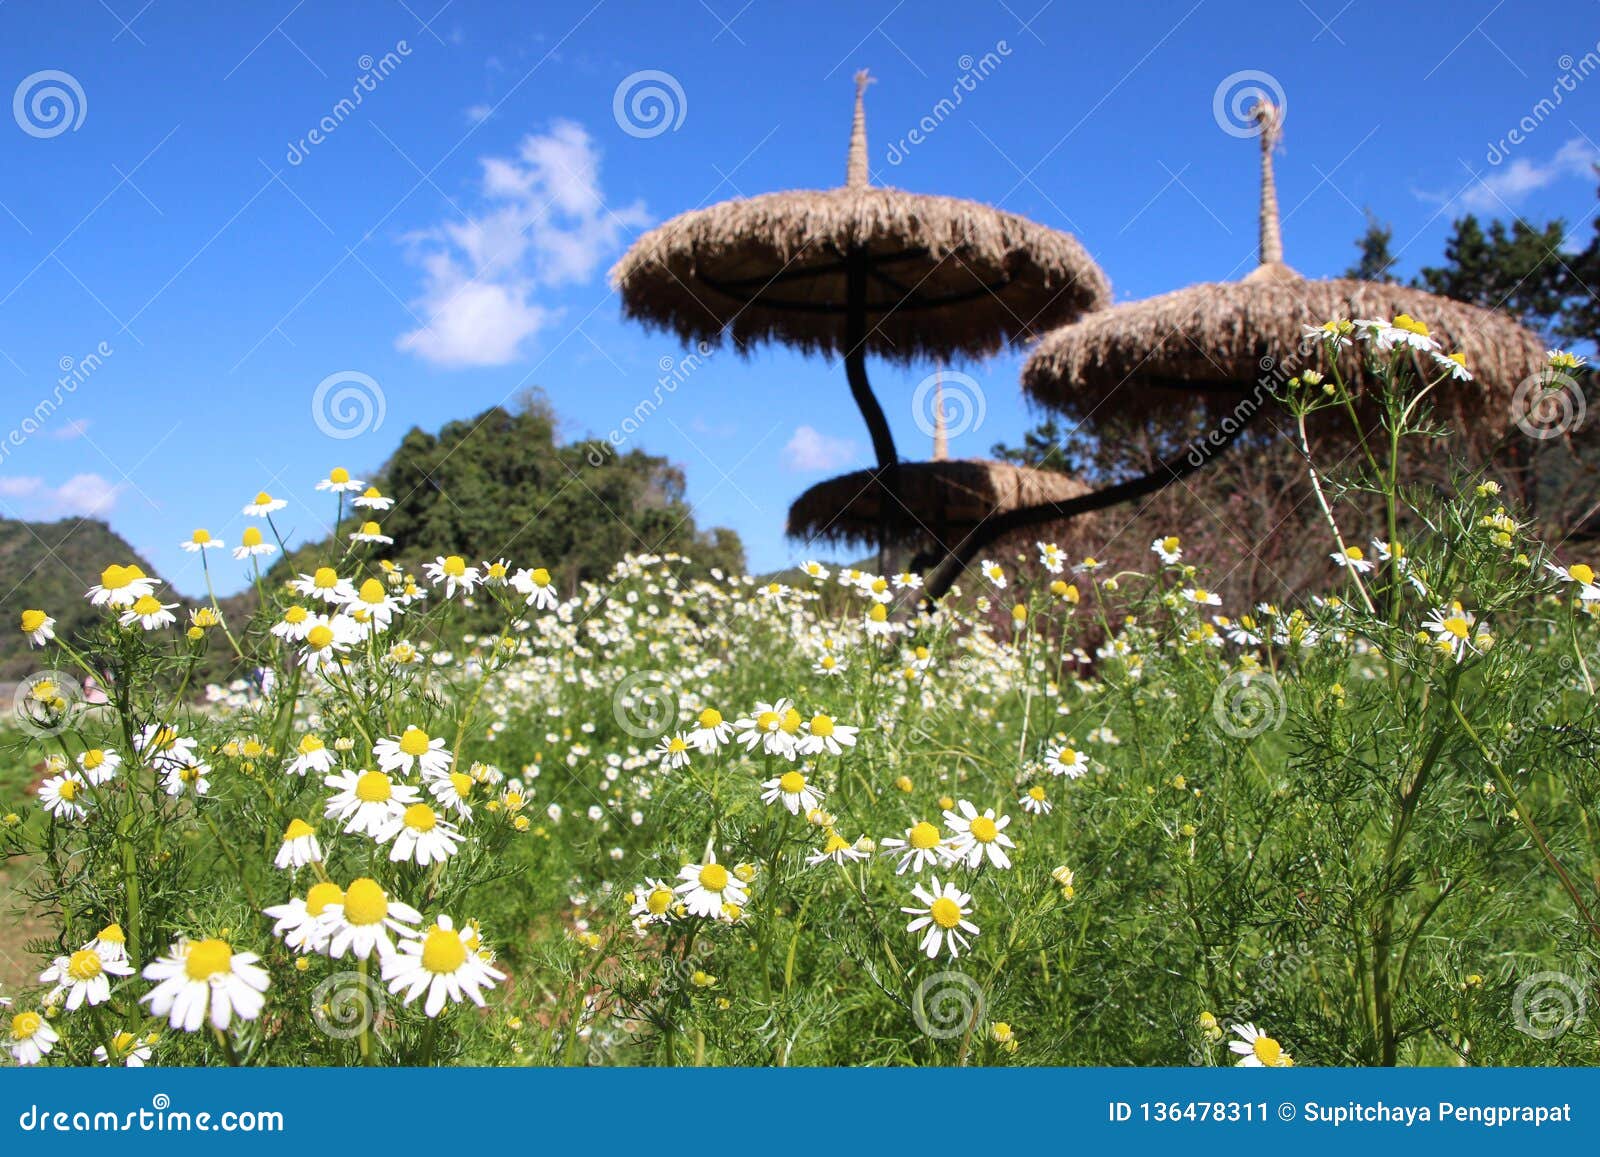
{"x": 855, "y": 173}
{"x": 1271, "y": 236}
{"x": 941, "y": 437}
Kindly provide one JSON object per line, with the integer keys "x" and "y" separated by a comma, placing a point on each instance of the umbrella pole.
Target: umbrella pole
{"x": 855, "y": 368}
{"x": 1165, "y": 473}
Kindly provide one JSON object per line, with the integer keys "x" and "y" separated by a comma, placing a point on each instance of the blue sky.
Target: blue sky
{"x": 446, "y": 243}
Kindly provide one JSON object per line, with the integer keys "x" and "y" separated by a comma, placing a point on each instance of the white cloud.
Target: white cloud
{"x": 810, "y": 450}
{"x": 544, "y": 224}
{"x": 479, "y": 113}
{"x": 76, "y": 428}
{"x": 82, "y": 494}
{"x": 1503, "y": 187}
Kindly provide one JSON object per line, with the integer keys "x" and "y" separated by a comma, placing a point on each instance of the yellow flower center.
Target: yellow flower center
{"x": 791, "y": 721}
{"x": 33, "y": 620}
{"x": 713, "y": 877}
{"x": 541, "y": 577}
{"x": 262, "y": 499}
{"x": 1170, "y": 543}
{"x": 659, "y": 900}
{"x": 371, "y": 492}
{"x": 415, "y": 741}
{"x": 251, "y": 536}
{"x": 1457, "y": 626}
{"x": 369, "y": 528}
{"x": 767, "y": 720}
{"x": 1410, "y": 325}
{"x": 25, "y": 1024}
{"x": 115, "y": 577}
{"x": 462, "y": 782}
{"x": 112, "y": 934}
{"x": 879, "y": 586}
{"x": 252, "y": 749}
{"x": 310, "y": 745}
{"x": 676, "y": 746}
{"x": 879, "y": 613}
{"x": 442, "y": 950}
{"x": 821, "y": 726}
{"x": 296, "y": 615}
{"x": 983, "y": 830}
{"x": 325, "y": 578}
{"x": 339, "y": 475}
{"x": 93, "y": 758}
{"x": 365, "y": 902}
{"x": 946, "y": 912}
{"x": 146, "y": 605}
{"x": 455, "y": 566}
{"x": 372, "y": 591}
{"x": 1036, "y": 792}
{"x": 298, "y": 830}
{"x": 200, "y": 537}
{"x": 68, "y": 790}
{"x": 1578, "y": 572}
{"x": 319, "y": 636}
{"x": 1266, "y": 1049}
{"x": 373, "y": 787}
{"x": 321, "y": 895}
{"x": 924, "y": 836}
{"x": 419, "y": 817}
{"x": 207, "y": 958}
{"x": 791, "y": 783}
{"x": 84, "y": 964}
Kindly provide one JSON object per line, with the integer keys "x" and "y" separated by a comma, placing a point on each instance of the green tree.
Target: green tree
{"x": 1517, "y": 267}
{"x": 1376, "y": 262}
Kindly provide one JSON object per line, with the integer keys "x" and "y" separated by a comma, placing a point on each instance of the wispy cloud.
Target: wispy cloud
{"x": 809, "y": 451}
{"x": 82, "y": 494}
{"x": 543, "y": 224}
{"x": 1513, "y": 181}
{"x": 67, "y": 431}
{"x": 479, "y": 113}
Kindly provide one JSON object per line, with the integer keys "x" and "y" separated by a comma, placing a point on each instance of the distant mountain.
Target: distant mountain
{"x": 48, "y": 566}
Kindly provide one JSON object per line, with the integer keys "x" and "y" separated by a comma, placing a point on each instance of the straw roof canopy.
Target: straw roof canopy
{"x": 1212, "y": 344}
{"x": 935, "y": 276}
{"x": 945, "y": 500}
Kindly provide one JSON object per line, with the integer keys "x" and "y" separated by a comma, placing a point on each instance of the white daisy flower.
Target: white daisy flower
{"x": 311, "y": 755}
{"x": 921, "y": 847}
{"x": 370, "y": 499}
{"x": 822, "y": 734}
{"x": 360, "y": 923}
{"x": 1051, "y": 557}
{"x": 816, "y": 570}
{"x": 536, "y": 587}
{"x": 774, "y": 727}
{"x": 84, "y": 978}
{"x": 150, "y": 613}
{"x": 828, "y": 666}
{"x": 299, "y": 847}
{"x": 707, "y": 887}
{"x": 31, "y": 1038}
{"x": 413, "y": 748}
{"x": 1168, "y": 549}
{"x": 421, "y": 837}
{"x": 366, "y": 801}
{"x": 1256, "y": 1050}
{"x": 906, "y": 581}
{"x": 111, "y": 943}
{"x": 453, "y": 790}
{"x": 452, "y": 570}
{"x": 121, "y": 586}
{"x": 994, "y": 572}
{"x": 38, "y": 626}
{"x": 444, "y": 962}
{"x": 978, "y": 836}
{"x": 64, "y": 796}
{"x": 791, "y": 790}
{"x": 181, "y": 777}
{"x": 1068, "y": 761}
{"x": 303, "y": 924}
{"x": 1352, "y": 557}
{"x": 1035, "y": 802}
{"x": 1580, "y": 575}
{"x": 673, "y": 751}
{"x": 252, "y": 543}
{"x": 127, "y": 1049}
{"x": 1201, "y": 597}
{"x": 370, "y": 532}
{"x": 99, "y": 765}
{"x": 942, "y": 918}
{"x": 205, "y": 977}
{"x": 713, "y": 731}
{"x": 878, "y": 624}
{"x": 324, "y": 584}
{"x": 837, "y": 849}
{"x": 1452, "y": 631}
{"x": 652, "y": 902}
{"x": 264, "y": 505}
{"x": 339, "y": 481}
{"x": 201, "y": 540}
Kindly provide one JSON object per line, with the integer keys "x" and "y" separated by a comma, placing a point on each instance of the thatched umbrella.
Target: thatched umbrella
{"x": 1214, "y": 344}
{"x": 1222, "y": 345}
{"x": 856, "y": 270}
